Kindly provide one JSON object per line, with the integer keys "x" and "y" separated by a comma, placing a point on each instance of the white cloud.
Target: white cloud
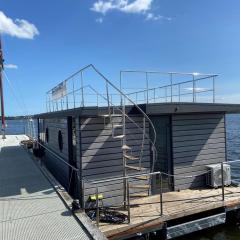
{"x": 197, "y": 89}
{"x": 151, "y": 16}
{"x": 143, "y": 7}
{"x": 17, "y": 28}
{"x": 99, "y": 20}
{"x": 136, "y": 6}
{"x": 11, "y": 66}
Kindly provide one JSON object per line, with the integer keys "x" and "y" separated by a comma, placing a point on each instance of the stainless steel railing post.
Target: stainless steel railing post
{"x": 179, "y": 92}
{"x": 171, "y": 87}
{"x": 161, "y": 197}
{"x": 83, "y": 194}
{"x": 128, "y": 199}
{"x": 74, "y": 100}
{"x": 147, "y": 85}
{"x": 213, "y": 89}
{"x": 223, "y": 195}
{"x": 97, "y": 207}
{"x": 193, "y": 83}
{"x": 82, "y": 89}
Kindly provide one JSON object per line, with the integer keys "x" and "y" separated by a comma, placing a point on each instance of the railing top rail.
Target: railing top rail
{"x": 168, "y": 85}
{"x": 170, "y": 73}
{"x": 73, "y": 75}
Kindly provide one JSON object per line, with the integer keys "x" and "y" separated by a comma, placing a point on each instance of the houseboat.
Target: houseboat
{"x": 150, "y": 141}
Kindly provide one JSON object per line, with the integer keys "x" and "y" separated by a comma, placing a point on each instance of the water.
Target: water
{"x": 223, "y": 232}
{"x": 20, "y": 126}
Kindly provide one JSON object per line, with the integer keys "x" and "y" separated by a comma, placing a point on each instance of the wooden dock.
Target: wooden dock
{"x": 145, "y": 212}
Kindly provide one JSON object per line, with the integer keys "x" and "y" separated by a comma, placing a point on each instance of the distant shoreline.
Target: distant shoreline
{"x": 14, "y": 118}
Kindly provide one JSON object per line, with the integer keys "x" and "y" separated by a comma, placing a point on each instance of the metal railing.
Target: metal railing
{"x": 161, "y": 174}
{"x": 178, "y": 88}
{"x": 127, "y": 178}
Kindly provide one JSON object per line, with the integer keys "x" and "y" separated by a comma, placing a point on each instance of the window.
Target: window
{"x": 47, "y": 135}
{"x": 60, "y": 141}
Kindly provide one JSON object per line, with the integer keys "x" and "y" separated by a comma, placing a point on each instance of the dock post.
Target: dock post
{"x": 128, "y": 199}
{"x": 97, "y": 207}
{"x": 161, "y": 198}
{"x": 223, "y": 196}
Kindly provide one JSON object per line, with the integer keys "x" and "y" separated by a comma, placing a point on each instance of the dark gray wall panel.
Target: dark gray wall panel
{"x": 102, "y": 155}
{"x": 198, "y": 140}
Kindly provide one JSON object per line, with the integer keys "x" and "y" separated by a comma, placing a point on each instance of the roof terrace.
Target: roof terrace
{"x": 89, "y": 87}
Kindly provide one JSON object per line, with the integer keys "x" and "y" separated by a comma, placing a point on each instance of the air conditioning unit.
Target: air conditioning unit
{"x": 214, "y": 175}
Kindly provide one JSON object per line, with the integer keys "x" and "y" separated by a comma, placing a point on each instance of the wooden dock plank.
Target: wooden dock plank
{"x": 145, "y": 212}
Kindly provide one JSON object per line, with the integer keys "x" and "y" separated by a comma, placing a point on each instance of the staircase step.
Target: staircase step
{"x": 119, "y": 136}
{"x": 143, "y": 186}
{"x": 130, "y": 157}
{"x": 126, "y": 147}
{"x": 134, "y": 168}
{"x": 117, "y": 125}
{"x": 139, "y": 195}
{"x": 112, "y": 115}
{"x": 142, "y": 177}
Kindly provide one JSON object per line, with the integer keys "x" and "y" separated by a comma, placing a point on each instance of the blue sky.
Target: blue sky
{"x": 57, "y": 38}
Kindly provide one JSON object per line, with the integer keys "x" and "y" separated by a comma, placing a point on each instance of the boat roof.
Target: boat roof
{"x": 150, "y": 109}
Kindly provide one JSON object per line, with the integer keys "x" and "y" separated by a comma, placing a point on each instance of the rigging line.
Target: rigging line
{"x": 20, "y": 94}
{"x": 20, "y": 97}
{"x": 22, "y": 106}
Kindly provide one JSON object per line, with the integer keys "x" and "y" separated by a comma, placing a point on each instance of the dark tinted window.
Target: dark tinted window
{"x": 47, "y": 135}
{"x": 60, "y": 140}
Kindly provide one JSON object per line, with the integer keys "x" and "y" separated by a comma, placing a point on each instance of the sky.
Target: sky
{"x": 44, "y": 42}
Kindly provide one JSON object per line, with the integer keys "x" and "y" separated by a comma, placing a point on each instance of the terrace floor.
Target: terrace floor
{"x": 145, "y": 212}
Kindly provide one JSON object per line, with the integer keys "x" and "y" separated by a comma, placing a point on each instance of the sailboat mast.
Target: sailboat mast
{"x": 1, "y": 90}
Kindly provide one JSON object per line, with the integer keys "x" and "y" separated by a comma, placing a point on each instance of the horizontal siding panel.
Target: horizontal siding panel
{"x": 199, "y": 147}
{"x": 194, "y": 158}
{"x": 200, "y": 132}
{"x": 196, "y": 116}
{"x": 193, "y": 184}
{"x": 198, "y": 140}
{"x": 108, "y": 132}
{"x": 103, "y": 151}
{"x": 207, "y": 161}
{"x": 100, "y": 120}
{"x": 100, "y": 139}
{"x": 92, "y": 127}
{"x": 196, "y": 153}
{"x": 201, "y": 178}
{"x": 198, "y": 127}
{"x": 114, "y": 184}
{"x": 192, "y": 122}
{"x": 194, "y": 170}
{"x": 111, "y": 144}
{"x": 199, "y": 137}
{"x": 119, "y": 168}
{"x": 114, "y": 162}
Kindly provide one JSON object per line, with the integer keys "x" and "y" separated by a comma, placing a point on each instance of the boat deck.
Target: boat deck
{"x": 29, "y": 206}
{"x": 145, "y": 212}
